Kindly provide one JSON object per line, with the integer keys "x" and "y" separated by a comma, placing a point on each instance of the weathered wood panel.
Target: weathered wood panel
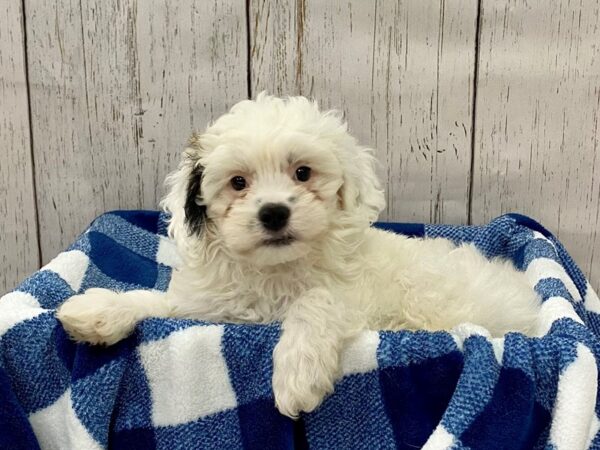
{"x": 116, "y": 89}
{"x": 538, "y": 117}
{"x": 18, "y": 229}
{"x": 403, "y": 74}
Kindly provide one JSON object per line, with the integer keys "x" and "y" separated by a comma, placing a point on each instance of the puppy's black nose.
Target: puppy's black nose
{"x": 274, "y": 216}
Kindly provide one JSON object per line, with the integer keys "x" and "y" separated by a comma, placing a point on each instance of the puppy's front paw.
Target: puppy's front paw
{"x": 97, "y": 316}
{"x": 302, "y": 377}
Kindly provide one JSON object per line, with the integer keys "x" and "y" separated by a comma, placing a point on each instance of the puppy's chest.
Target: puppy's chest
{"x": 274, "y": 291}
{"x": 271, "y": 295}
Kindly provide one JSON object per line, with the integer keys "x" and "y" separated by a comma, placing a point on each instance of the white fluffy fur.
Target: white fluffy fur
{"x": 338, "y": 277}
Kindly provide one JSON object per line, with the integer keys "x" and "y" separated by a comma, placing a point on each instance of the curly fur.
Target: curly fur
{"x": 336, "y": 277}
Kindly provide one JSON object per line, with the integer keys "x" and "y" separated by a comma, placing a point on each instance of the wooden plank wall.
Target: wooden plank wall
{"x": 538, "y": 117}
{"x": 19, "y": 253}
{"x": 474, "y": 107}
{"x": 116, "y": 89}
{"x": 403, "y": 74}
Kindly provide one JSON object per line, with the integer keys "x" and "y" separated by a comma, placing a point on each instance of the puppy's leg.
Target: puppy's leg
{"x": 306, "y": 360}
{"x": 101, "y": 316}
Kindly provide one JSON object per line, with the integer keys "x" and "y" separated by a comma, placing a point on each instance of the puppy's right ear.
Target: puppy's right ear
{"x": 195, "y": 209}
{"x": 184, "y": 199}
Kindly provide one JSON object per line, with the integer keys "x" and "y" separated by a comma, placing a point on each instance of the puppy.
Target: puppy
{"x": 271, "y": 209}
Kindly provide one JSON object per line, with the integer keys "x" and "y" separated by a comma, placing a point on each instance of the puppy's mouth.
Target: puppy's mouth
{"x": 280, "y": 241}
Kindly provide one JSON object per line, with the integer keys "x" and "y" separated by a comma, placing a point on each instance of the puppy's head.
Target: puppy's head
{"x": 270, "y": 180}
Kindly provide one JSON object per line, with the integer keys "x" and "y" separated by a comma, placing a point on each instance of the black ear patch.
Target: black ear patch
{"x": 195, "y": 213}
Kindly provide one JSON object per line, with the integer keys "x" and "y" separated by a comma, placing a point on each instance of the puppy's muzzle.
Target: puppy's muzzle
{"x": 274, "y": 216}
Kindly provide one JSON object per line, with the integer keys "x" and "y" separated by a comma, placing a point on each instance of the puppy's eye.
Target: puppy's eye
{"x": 238, "y": 183}
{"x": 303, "y": 173}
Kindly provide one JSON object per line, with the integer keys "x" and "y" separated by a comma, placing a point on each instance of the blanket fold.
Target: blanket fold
{"x": 183, "y": 384}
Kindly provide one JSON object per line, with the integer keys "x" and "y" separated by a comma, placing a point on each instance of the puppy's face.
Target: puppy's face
{"x": 271, "y": 197}
{"x": 272, "y": 177}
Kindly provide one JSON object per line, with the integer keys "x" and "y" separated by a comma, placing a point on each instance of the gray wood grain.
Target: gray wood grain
{"x": 538, "y": 117}
{"x": 403, "y": 74}
{"x": 116, "y": 89}
{"x": 18, "y": 229}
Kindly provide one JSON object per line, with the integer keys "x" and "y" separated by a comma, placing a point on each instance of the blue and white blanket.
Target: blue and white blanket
{"x": 181, "y": 384}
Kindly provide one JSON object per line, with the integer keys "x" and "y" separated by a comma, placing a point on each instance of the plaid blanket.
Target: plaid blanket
{"x": 181, "y": 384}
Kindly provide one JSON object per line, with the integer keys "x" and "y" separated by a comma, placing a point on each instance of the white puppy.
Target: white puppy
{"x": 272, "y": 210}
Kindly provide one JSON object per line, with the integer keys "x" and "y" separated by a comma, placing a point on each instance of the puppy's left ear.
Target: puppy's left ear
{"x": 361, "y": 192}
